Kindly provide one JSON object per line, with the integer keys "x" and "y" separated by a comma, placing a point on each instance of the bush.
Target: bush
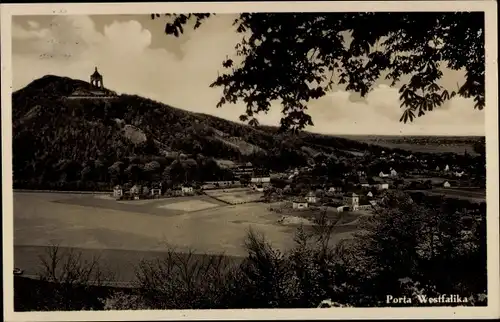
{"x": 67, "y": 281}
{"x": 185, "y": 280}
{"x": 123, "y": 301}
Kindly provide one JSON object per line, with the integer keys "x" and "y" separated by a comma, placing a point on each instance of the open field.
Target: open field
{"x": 235, "y": 196}
{"x": 473, "y": 194}
{"x": 123, "y": 234}
{"x": 160, "y": 207}
{"x": 87, "y": 222}
{"x": 346, "y": 220}
{"x": 425, "y": 144}
{"x": 434, "y": 180}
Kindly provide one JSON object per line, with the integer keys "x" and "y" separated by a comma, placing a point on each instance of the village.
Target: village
{"x": 309, "y": 188}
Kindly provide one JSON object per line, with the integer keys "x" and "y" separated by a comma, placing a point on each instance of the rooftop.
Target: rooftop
{"x": 299, "y": 200}
{"x": 96, "y": 73}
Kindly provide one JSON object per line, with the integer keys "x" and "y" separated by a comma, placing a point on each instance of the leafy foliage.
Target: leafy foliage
{"x": 294, "y": 58}
{"x": 410, "y": 240}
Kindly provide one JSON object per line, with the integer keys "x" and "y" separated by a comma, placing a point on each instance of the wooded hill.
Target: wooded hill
{"x": 57, "y": 140}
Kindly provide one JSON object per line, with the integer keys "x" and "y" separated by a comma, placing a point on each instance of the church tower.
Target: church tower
{"x": 96, "y": 80}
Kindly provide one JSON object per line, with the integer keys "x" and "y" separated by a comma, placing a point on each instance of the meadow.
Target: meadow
{"x": 465, "y": 193}
{"x": 475, "y": 195}
{"x": 123, "y": 233}
{"x": 235, "y": 196}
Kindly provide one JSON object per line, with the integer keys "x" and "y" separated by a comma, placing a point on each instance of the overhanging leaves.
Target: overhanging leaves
{"x": 294, "y": 58}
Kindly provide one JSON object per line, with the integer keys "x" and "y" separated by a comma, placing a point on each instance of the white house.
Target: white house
{"x": 352, "y": 200}
{"x": 437, "y": 168}
{"x": 369, "y": 194}
{"x": 383, "y": 175}
{"x": 446, "y": 184}
{"x": 459, "y": 174}
{"x": 187, "y": 190}
{"x": 394, "y": 173}
{"x": 117, "y": 191}
{"x": 300, "y": 204}
{"x": 260, "y": 180}
{"x": 311, "y": 197}
{"x": 447, "y": 168}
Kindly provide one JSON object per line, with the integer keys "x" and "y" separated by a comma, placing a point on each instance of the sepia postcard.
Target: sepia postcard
{"x": 237, "y": 160}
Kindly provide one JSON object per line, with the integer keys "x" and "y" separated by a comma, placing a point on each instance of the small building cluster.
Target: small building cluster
{"x": 348, "y": 202}
{"x": 137, "y": 192}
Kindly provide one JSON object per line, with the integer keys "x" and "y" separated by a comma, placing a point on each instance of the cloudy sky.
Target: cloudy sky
{"x": 136, "y": 57}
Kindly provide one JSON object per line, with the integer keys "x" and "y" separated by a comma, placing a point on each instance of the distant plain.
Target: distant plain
{"x": 423, "y": 144}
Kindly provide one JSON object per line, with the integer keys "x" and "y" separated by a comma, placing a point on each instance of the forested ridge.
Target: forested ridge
{"x": 57, "y": 141}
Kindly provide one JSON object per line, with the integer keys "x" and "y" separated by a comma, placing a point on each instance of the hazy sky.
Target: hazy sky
{"x": 135, "y": 56}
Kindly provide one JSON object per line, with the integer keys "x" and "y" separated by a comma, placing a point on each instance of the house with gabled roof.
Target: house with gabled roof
{"x": 300, "y": 203}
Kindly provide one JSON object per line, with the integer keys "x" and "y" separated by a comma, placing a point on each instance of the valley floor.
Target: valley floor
{"x": 125, "y": 233}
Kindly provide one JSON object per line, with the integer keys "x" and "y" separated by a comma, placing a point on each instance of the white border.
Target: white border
{"x": 490, "y": 9}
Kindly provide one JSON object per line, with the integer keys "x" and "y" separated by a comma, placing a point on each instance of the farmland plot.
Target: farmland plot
{"x": 235, "y": 196}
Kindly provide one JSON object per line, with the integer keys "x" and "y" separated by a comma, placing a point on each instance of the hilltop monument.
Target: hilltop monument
{"x": 96, "y": 89}
{"x": 96, "y": 80}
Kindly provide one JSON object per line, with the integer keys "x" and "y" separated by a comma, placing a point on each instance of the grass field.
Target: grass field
{"x": 474, "y": 194}
{"x": 125, "y": 233}
{"x": 235, "y": 196}
{"x": 434, "y": 180}
{"x": 94, "y": 224}
{"x": 463, "y": 192}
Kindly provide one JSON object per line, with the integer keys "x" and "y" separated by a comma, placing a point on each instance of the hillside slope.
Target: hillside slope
{"x": 61, "y": 140}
